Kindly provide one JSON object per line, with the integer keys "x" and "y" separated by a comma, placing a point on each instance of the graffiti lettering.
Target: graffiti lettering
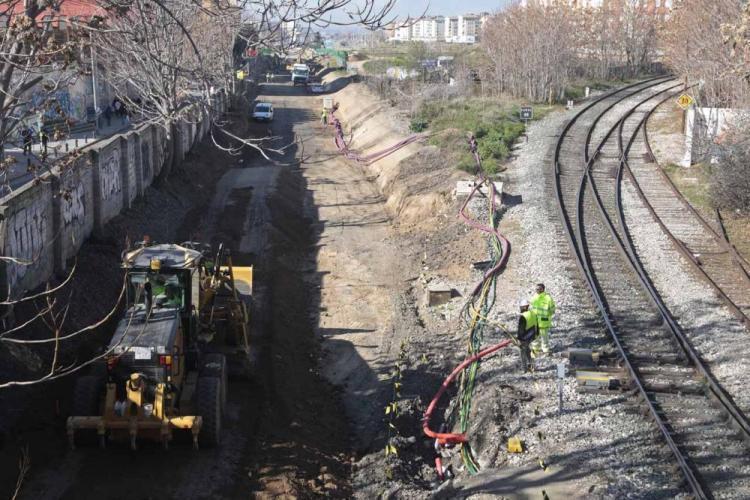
{"x": 109, "y": 175}
{"x": 25, "y": 232}
{"x": 73, "y": 206}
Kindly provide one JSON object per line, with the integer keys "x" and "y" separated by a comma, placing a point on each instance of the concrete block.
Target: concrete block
{"x": 438, "y": 294}
{"x": 464, "y": 188}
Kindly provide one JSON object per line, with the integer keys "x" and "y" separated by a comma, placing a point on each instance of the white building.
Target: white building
{"x": 451, "y": 28}
{"x": 463, "y": 29}
{"x": 429, "y": 29}
{"x": 402, "y": 34}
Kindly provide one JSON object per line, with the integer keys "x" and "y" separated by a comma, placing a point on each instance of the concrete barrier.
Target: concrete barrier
{"x": 44, "y": 224}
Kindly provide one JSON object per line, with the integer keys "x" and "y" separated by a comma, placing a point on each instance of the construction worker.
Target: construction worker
{"x": 544, "y": 307}
{"x": 528, "y": 332}
{"x": 324, "y": 117}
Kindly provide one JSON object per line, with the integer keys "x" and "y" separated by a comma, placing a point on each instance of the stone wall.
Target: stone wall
{"x": 44, "y": 224}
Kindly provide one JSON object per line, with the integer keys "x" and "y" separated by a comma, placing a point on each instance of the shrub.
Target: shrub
{"x": 418, "y": 125}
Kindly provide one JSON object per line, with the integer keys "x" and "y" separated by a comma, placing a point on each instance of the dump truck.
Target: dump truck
{"x": 185, "y": 329}
{"x": 300, "y": 74}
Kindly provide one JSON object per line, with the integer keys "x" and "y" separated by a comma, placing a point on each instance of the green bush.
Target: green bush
{"x": 418, "y": 125}
{"x": 495, "y": 125}
{"x": 467, "y": 163}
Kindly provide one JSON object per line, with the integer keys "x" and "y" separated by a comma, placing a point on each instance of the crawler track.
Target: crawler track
{"x": 701, "y": 425}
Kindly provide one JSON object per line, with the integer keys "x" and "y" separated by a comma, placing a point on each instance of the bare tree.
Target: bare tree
{"x": 532, "y": 57}
{"x": 164, "y": 59}
{"x": 37, "y": 61}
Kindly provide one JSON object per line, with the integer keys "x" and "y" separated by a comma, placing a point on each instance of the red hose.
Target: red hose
{"x": 451, "y": 438}
{"x": 343, "y": 147}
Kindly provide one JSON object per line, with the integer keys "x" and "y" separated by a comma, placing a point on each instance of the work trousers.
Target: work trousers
{"x": 541, "y": 343}
{"x": 526, "y": 363}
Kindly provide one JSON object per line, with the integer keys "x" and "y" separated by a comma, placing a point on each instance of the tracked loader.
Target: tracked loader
{"x": 186, "y": 327}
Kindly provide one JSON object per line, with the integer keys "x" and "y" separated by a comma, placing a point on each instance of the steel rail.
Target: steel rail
{"x": 585, "y": 270}
{"x": 741, "y": 261}
{"x": 680, "y": 245}
{"x": 716, "y": 390}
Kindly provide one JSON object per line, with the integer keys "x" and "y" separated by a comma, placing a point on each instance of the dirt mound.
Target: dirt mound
{"x": 416, "y": 180}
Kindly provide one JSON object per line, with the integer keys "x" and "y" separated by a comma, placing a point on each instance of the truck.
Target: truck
{"x": 185, "y": 329}
{"x": 300, "y": 74}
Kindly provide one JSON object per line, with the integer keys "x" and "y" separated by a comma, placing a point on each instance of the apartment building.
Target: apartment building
{"x": 429, "y": 29}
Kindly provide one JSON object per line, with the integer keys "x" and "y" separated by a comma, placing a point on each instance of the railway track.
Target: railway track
{"x": 703, "y": 244}
{"x": 699, "y": 422}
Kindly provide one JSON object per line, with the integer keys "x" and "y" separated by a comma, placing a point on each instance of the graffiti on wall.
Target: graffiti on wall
{"x": 60, "y": 105}
{"x": 109, "y": 175}
{"x": 25, "y": 233}
{"x": 131, "y": 167}
{"x": 146, "y": 161}
{"x": 185, "y": 133}
{"x": 74, "y": 206}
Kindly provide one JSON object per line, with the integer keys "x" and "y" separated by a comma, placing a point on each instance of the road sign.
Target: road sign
{"x": 240, "y": 75}
{"x": 527, "y": 113}
{"x": 685, "y": 101}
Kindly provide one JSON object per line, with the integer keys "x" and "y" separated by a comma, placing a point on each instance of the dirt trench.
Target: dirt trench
{"x": 286, "y": 433}
{"x": 339, "y": 283}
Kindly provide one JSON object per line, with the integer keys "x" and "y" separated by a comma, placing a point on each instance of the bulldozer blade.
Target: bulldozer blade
{"x": 243, "y": 279}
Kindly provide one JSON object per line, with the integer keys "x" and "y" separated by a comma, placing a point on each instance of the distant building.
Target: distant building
{"x": 451, "y": 28}
{"x": 402, "y": 34}
{"x": 429, "y": 29}
{"x": 466, "y": 28}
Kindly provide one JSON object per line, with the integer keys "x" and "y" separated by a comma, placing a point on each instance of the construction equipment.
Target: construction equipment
{"x": 186, "y": 326}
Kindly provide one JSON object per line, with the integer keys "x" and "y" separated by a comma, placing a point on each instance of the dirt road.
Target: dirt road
{"x": 317, "y": 236}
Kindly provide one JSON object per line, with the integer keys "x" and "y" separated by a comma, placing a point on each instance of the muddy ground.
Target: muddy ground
{"x": 286, "y": 431}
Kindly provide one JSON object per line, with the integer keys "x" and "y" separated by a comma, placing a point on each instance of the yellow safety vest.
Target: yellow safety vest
{"x": 531, "y": 320}
{"x": 544, "y": 307}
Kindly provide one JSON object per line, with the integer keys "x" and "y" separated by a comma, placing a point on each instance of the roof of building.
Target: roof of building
{"x": 67, "y": 10}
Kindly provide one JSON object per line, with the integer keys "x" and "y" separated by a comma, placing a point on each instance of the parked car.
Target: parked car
{"x": 316, "y": 88}
{"x": 263, "y": 111}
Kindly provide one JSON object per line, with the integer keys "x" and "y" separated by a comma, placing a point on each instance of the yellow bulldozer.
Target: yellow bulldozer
{"x": 186, "y": 326}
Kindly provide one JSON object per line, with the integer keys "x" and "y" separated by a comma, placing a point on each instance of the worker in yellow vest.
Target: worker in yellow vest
{"x": 544, "y": 307}
{"x": 527, "y": 333}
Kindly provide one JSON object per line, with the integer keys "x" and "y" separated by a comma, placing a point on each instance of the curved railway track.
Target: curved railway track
{"x": 700, "y": 423}
{"x": 706, "y": 247}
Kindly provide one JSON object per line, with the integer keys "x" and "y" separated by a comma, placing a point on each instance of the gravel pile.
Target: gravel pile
{"x": 717, "y": 335}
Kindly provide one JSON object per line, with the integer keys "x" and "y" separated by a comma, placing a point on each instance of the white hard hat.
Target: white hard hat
{"x": 523, "y": 303}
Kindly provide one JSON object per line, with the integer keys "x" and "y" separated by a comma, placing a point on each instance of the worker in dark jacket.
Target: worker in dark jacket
{"x": 528, "y": 330}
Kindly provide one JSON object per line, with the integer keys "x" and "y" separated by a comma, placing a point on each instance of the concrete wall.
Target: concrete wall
{"x": 28, "y": 231}
{"x": 43, "y": 225}
{"x": 76, "y": 202}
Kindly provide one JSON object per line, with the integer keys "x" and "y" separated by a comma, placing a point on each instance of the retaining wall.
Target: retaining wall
{"x": 44, "y": 224}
